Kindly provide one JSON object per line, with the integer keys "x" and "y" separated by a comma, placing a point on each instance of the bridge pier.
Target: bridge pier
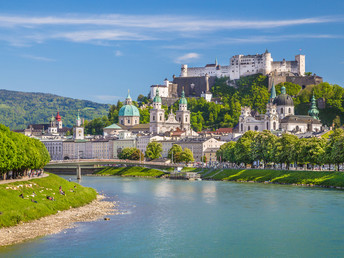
{"x": 78, "y": 172}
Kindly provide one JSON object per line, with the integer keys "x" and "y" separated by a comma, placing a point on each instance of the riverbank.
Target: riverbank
{"x": 56, "y": 223}
{"x": 291, "y": 177}
{"x": 23, "y": 201}
{"x": 130, "y": 172}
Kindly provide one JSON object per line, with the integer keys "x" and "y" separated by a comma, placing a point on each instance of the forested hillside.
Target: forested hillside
{"x": 18, "y": 109}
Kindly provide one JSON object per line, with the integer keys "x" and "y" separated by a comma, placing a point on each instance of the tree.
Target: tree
{"x": 330, "y": 156}
{"x": 311, "y": 150}
{"x": 336, "y": 122}
{"x": 226, "y": 152}
{"x": 243, "y": 148}
{"x": 292, "y": 89}
{"x": 337, "y": 154}
{"x": 176, "y": 152}
{"x": 153, "y": 150}
{"x": 285, "y": 149}
{"x": 187, "y": 156}
{"x": 131, "y": 154}
{"x": 308, "y": 73}
{"x": 262, "y": 147}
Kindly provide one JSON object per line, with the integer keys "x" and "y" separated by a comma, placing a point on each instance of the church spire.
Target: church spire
{"x": 314, "y": 112}
{"x": 273, "y": 92}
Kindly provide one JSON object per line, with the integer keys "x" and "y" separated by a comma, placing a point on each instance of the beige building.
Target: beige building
{"x": 198, "y": 146}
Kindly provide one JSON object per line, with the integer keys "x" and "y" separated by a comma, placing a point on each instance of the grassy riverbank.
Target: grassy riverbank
{"x": 130, "y": 172}
{"x": 15, "y": 209}
{"x": 317, "y": 178}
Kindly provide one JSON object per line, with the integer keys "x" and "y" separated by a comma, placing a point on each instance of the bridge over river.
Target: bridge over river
{"x": 88, "y": 166}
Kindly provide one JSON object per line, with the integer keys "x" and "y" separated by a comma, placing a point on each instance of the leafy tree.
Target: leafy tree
{"x": 336, "y": 122}
{"x": 291, "y": 88}
{"x": 153, "y": 150}
{"x": 243, "y": 148}
{"x": 131, "y": 154}
{"x": 176, "y": 152}
{"x": 187, "y": 156}
{"x": 227, "y": 152}
{"x": 308, "y": 73}
{"x": 285, "y": 149}
{"x": 262, "y": 146}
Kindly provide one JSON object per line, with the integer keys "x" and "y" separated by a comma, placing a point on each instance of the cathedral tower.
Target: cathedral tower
{"x": 183, "y": 114}
{"x": 157, "y": 115}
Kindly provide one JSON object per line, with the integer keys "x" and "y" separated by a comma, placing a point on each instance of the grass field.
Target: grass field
{"x": 130, "y": 172}
{"x": 320, "y": 178}
{"x": 15, "y": 209}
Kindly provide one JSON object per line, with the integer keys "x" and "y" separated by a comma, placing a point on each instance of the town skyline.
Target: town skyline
{"x": 70, "y": 50}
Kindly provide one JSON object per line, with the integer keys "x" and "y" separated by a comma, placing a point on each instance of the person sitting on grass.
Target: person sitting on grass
{"x": 33, "y": 201}
{"x": 21, "y": 196}
{"x": 61, "y": 191}
{"x": 50, "y": 198}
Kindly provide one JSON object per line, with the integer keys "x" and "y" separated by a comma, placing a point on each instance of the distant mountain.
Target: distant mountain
{"x": 18, "y": 109}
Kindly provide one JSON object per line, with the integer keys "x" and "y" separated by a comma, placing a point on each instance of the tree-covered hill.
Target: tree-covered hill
{"x": 18, "y": 109}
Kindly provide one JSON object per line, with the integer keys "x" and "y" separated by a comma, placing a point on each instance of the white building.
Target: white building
{"x": 244, "y": 65}
{"x": 54, "y": 148}
{"x": 279, "y": 116}
{"x": 181, "y": 120}
{"x": 163, "y": 89}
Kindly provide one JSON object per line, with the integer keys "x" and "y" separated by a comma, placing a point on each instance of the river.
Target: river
{"x": 166, "y": 218}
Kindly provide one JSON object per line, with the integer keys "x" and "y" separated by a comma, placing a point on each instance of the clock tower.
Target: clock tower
{"x": 78, "y": 130}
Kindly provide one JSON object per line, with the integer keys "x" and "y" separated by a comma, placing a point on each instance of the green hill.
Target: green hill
{"x": 18, "y": 109}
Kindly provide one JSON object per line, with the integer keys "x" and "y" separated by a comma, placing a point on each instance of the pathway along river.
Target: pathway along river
{"x": 168, "y": 218}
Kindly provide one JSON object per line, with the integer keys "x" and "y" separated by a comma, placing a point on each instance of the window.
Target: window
{"x": 186, "y": 118}
{"x": 267, "y": 125}
{"x": 128, "y": 121}
{"x": 249, "y": 128}
{"x": 281, "y": 110}
{"x": 242, "y": 127}
{"x": 153, "y": 118}
{"x": 256, "y": 128}
{"x": 160, "y": 117}
{"x": 274, "y": 125}
{"x": 289, "y": 110}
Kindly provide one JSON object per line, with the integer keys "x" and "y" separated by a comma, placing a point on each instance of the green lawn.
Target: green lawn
{"x": 130, "y": 172}
{"x": 320, "y": 178}
{"x": 15, "y": 209}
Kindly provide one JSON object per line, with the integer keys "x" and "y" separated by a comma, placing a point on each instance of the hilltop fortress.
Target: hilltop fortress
{"x": 241, "y": 65}
{"x": 197, "y": 81}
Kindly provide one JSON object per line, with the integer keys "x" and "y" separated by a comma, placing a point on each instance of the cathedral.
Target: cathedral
{"x": 181, "y": 119}
{"x": 280, "y": 116}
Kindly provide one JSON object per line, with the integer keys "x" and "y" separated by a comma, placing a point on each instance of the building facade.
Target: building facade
{"x": 280, "y": 116}
{"x": 244, "y": 65}
{"x": 158, "y": 124}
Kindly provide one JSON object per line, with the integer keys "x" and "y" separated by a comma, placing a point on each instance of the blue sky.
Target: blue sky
{"x": 97, "y": 50}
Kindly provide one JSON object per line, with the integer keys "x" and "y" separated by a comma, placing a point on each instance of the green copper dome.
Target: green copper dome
{"x": 183, "y": 99}
{"x": 314, "y": 112}
{"x": 157, "y": 98}
{"x": 129, "y": 110}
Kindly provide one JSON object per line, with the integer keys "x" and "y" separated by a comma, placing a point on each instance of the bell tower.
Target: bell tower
{"x": 157, "y": 115}
{"x": 183, "y": 114}
{"x": 78, "y": 130}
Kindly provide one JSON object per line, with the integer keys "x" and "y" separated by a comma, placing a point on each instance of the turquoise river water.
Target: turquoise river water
{"x": 165, "y": 218}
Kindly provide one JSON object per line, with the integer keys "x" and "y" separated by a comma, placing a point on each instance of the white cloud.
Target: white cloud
{"x": 118, "y": 53}
{"x": 166, "y": 22}
{"x": 102, "y": 29}
{"x": 38, "y": 58}
{"x": 187, "y": 58}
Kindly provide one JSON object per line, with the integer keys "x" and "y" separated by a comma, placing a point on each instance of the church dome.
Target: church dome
{"x": 58, "y": 117}
{"x": 283, "y": 99}
{"x": 129, "y": 110}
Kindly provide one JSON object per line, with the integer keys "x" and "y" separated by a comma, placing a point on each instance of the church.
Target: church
{"x": 181, "y": 120}
{"x": 280, "y": 116}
